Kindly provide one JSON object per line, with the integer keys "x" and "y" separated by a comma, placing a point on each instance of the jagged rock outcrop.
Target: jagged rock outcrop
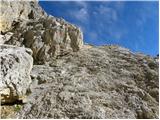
{"x": 72, "y": 80}
{"x": 16, "y": 64}
{"x": 47, "y": 36}
{"x": 17, "y": 13}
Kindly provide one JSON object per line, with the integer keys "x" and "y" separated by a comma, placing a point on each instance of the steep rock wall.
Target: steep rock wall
{"x": 31, "y": 27}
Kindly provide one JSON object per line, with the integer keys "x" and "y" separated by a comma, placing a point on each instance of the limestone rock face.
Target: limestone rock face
{"x": 96, "y": 82}
{"x": 16, "y": 64}
{"x": 69, "y": 79}
{"x": 47, "y": 36}
{"x": 13, "y": 13}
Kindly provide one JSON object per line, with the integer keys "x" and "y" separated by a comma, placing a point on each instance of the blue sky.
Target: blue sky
{"x": 133, "y": 25}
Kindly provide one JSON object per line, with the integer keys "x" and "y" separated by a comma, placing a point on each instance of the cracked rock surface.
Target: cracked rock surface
{"x": 30, "y": 26}
{"x": 69, "y": 79}
{"x": 12, "y": 13}
{"x": 16, "y": 64}
{"x": 96, "y": 82}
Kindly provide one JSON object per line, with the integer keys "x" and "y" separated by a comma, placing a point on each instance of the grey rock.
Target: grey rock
{"x": 16, "y": 64}
{"x": 6, "y": 37}
{"x": 72, "y": 80}
{"x": 95, "y": 82}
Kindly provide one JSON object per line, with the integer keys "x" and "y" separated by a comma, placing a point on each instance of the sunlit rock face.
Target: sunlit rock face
{"x": 31, "y": 27}
{"x": 16, "y": 65}
{"x": 72, "y": 80}
{"x": 48, "y": 37}
{"x": 95, "y": 82}
{"x": 15, "y": 12}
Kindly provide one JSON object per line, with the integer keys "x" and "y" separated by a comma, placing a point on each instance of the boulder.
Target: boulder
{"x": 16, "y": 64}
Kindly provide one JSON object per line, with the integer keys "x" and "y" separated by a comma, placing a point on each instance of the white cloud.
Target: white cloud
{"x": 145, "y": 13}
{"x": 81, "y": 15}
{"x": 108, "y": 13}
{"x": 106, "y": 16}
{"x": 109, "y": 20}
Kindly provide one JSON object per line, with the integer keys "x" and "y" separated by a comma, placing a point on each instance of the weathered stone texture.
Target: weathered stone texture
{"x": 69, "y": 79}
{"x": 12, "y": 13}
{"x": 15, "y": 67}
{"x": 29, "y": 26}
{"x": 96, "y": 82}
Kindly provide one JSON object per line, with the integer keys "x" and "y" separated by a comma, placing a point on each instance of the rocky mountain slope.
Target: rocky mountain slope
{"x": 69, "y": 79}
